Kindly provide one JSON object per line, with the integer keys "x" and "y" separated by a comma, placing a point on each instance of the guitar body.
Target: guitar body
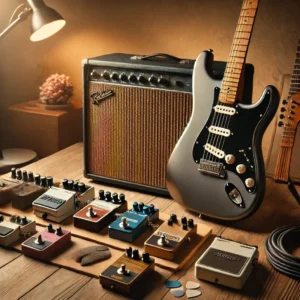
{"x": 209, "y": 185}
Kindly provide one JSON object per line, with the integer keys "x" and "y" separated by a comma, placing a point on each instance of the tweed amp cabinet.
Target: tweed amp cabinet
{"x": 134, "y": 110}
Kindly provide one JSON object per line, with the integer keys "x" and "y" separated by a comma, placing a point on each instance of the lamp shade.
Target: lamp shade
{"x": 45, "y": 20}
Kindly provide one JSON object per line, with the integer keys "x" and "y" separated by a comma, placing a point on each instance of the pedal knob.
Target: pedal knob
{"x": 30, "y": 177}
{"x": 183, "y": 220}
{"x": 174, "y": 218}
{"x": 162, "y": 240}
{"x": 170, "y": 222}
{"x": 18, "y": 219}
{"x": 124, "y": 222}
{"x": 135, "y": 206}
{"x": 115, "y": 198}
{"x": 19, "y": 174}
{"x": 128, "y": 252}
{"x": 75, "y": 186}
{"x": 108, "y": 196}
{"x": 141, "y": 206}
{"x": 23, "y": 221}
{"x": 135, "y": 254}
{"x": 101, "y": 195}
{"x": 122, "y": 198}
{"x": 13, "y": 173}
{"x": 230, "y": 159}
{"x": 146, "y": 257}
{"x": 70, "y": 184}
{"x": 50, "y": 228}
{"x": 1, "y": 218}
{"x": 44, "y": 216}
{"x": 25, "y": 175}
{"x": 37, "y": 179}
{"x": 191, "y": 223}
{"x": 65, "y": 184}
{"x": 151, "y": 208}
{"x": 241, "y": 169}
{"x": 39, "y": 240}
{"x": 81, "y": 187}
{"x": 122, "y": 270}
{"x": 43, "y": 181}
{"x": 49, "y": 180}
{"x": 184, "y": 226}
{"x": 59, "y": 231}
{"x": 146, "y": 209}
{"x": 91, "y": 213}
{"x": 249, "y": 182}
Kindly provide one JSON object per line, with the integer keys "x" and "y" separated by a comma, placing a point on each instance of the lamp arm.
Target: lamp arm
{"x": 21, "y": 17}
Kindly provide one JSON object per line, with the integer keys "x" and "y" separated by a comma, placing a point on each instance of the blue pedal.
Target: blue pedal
{"x": 131, "y": 224}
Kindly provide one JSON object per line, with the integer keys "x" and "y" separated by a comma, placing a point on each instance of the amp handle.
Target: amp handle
{"x": 164, "y": 55}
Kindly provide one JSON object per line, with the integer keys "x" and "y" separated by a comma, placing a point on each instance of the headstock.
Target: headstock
{"x": 290, "y": 112}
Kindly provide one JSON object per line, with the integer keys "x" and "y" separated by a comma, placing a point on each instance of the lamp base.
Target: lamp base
{"x": 16, "y": 157}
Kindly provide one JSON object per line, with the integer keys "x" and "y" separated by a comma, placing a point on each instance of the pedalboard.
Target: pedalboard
{"x": 15, "y": 228}
{"x": 227, "y": 263}
{"x": 168, "y": 240}
{"x": 57, "y": 204}
{"x": 127, "y": 272}
{"x": 131, "y": 224}
{"x": 47, "y": 244}
{"x": 100, "y": 212}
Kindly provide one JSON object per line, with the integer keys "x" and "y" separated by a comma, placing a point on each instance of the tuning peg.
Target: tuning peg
{"x": 280, "y": 123}
{"x": 290, "y": 117}
{"x": 282, "y": 109}
{"x": 284, "y": 102}
{"x": 281, "y": 116}
{"x": 291, "y": 112}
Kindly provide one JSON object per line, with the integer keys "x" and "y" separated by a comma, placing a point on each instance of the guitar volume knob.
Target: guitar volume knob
{"x": 230, "y": 159}
{"x": 249, "y": 182}
{"x": 241, "y": 169}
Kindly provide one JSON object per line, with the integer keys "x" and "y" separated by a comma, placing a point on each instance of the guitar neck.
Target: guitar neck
{"x": 238, "y": 52}
{"x": 295, "y": 80}
{"x": 283, "y": 164}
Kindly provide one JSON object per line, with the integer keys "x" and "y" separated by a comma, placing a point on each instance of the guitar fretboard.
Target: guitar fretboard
{"x": 295, "y": 80}
{"x": 238, "y": 52}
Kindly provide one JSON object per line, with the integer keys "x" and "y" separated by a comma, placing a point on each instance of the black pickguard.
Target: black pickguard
{"x": 243, "y": 125}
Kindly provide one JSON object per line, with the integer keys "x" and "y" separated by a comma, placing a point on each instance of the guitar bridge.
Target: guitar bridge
{"x": 212, "y": 168}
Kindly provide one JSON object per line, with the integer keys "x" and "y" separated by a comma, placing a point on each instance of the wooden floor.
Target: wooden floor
{"x": 25, "y": 278}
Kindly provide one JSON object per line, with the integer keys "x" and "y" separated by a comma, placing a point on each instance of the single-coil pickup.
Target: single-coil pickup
{"x": 226, "y": 110}
{"x": 219, "y": 130}
{"x": 214, "y": 151}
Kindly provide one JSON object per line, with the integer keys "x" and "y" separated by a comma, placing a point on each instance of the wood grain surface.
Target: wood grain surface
{"x": 278, "y": 208}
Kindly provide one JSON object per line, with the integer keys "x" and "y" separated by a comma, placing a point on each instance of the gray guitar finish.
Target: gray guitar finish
{"x": 206, "y": 193}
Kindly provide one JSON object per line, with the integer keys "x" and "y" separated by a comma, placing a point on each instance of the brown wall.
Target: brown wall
{"x": 181, "y": 28}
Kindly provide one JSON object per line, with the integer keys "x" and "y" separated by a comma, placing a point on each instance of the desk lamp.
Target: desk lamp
{"x": 45, "y": 22}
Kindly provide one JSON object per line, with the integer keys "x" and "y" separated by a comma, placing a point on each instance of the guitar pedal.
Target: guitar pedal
{"x": 100, "y": 212}
{"x": 131, "y": 224}
{"x": 48, "y": 243}
{"x": 57, "y": 204}
{"x": 14, "y": 229}
{"x": 127, "y": 272}
{"x": 168, "y": 240}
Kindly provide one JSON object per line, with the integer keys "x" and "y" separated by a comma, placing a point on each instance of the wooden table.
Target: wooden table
{"x": 25, "y": 278}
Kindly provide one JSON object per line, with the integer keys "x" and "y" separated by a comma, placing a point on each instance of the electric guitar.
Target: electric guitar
{"x": 217, "y": 167}
{"x": 289, "y": 119}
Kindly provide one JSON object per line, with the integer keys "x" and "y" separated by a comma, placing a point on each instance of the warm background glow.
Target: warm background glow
{"x": 181, "y": 28}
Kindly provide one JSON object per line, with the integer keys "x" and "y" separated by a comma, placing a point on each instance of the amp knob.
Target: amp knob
{"x": 152, "y": 79}
{"x": 249, "y": 182}
{"x": 95, "y": 74}
{"x": 114, "y": 76}
{"x": 142, "y": 79}
{"x": 123, "y": 77}
{"x": 105, "y": 75}
{"x": 241, "y": 169}
{"x": 163, "y": 81}
{"x": 132, "y": 78}
{"x": 230, "y": 159}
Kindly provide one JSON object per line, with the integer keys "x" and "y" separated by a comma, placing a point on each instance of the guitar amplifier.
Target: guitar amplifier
{"x": 134, "y": 111}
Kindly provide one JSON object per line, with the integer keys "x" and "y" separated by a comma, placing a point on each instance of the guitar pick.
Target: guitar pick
{"x": 170, "y": 284}
{"x": 192, "y": 293}
{"x": 190, "y": 285}
{"x": 177, "y": 292}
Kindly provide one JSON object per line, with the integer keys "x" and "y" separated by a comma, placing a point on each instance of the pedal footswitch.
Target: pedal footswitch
{"x": 227, "y": 263}
{"x": 168, "y": 240}
{"x": 48, "y": 243}
{"x": 100, "y": 212}
{"x": 127, "y": 272}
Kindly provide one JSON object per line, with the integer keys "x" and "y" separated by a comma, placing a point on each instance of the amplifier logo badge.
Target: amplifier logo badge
{"x": 97, "y": 97}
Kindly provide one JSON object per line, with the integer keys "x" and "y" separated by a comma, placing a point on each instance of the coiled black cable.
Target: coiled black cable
{"x": 278, "y": 256}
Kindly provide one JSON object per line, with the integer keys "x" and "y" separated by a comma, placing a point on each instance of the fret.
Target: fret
{"x": 231, "y": 83}
{"x": 236, "y": 65}
{"x": 229, "y": 94}
{"x": 230, "y": 79}
{"x": 241, "y": 42}
{"x": 238, "y": 55}
{"x": 240, "y": 48}
{"x": 248, "y": 12}
{"x": 229, "y": 72}
{"x": 236, "y": 59}
{"x": 250, "y": 4}
{"x": 225, "y": 85}
{"x": 232, "y": 76}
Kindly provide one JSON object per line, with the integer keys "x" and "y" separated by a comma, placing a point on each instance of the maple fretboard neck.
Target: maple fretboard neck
{"x": 238, "y": 52}
{"x": 295, "y": 80}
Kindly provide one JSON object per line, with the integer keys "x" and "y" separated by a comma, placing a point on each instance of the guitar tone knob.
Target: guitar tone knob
{"x": 241, "y": 169}
{"x": 249, "y": 182}
{"x": 230, "y": 159}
